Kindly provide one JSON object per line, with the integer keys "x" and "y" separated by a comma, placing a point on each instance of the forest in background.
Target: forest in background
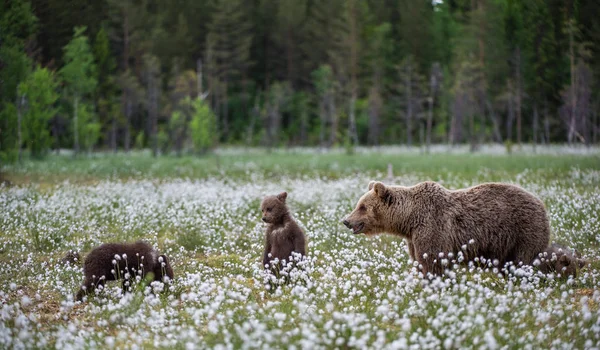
{"x": 185, "y": 75}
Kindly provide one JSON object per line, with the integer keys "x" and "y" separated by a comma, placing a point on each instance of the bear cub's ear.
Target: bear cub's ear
{"x": 371, "y": 185}
{"x": 379, "y": 189}
{"x": 282, "y": 196}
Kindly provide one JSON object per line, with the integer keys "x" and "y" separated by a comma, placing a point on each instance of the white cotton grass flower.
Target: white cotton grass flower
{"x": 360, "y": 293}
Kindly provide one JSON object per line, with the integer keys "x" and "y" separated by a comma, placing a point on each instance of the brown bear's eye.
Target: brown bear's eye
{"x": 362, "y": 208}
{"x": 269, "y": 209}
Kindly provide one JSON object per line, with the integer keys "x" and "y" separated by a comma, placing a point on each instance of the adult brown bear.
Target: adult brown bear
{"x": 500, "y": 222}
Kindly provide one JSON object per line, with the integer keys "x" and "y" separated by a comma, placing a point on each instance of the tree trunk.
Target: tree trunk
{"x": 125, "y": 103}
{"x": 595, "y": 125}
{"x": 374, "y": 113}
{"x": 495, "y": 122}
{"x": 352, "y": 133}
{"x": 472, "y": 132}
{"x": 254, "y": 114}
{"x": 152, "y": 105}
{"x": 225, "y": 114}
{"x": 75, "y": 124}
{"x": 303, "y": 125}
{"x": 511, "y": 111}
{"x": 128, "y": 110}
{"x": 333, "y": 118}
{"x": 20, "y": 103}
{"x": 409, "y": 109}
{"x": 429, "y": 124}
{"x": 199, "y": 77}
{"x": 572, "y": 90}
{"x": 535, "y": 126}
{"x": 323, "y": 116}
{"x": 421, "y": 134}
{"x": 546, "y": 123}
{"x": 518, "y": 96}
{"x": 113, "y": 136}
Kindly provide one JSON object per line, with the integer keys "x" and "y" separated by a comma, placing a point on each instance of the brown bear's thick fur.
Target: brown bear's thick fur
{"x": 283, "y": 235}
{"x": 559, "y": 259}
{"x": 134, "y": 259}
{"x": 500, "y": 222}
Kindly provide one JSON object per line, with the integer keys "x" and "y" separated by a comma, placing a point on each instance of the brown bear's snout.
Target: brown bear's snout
{"x": 346, "y": 223}
{"x": 264, "y": 219}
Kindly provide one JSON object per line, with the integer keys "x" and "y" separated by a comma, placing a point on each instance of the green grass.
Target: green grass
{"x": 204, "y": 215}
{"x": 434, "y": 166}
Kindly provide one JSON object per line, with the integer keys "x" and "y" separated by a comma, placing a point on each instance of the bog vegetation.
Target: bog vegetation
{"x": 353, "y": 292}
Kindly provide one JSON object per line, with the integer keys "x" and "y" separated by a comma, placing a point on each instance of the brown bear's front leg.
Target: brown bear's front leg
{"x": 266, "y": 258}
{"x": 426, "y": 250}
{"x": 411, "y": 249}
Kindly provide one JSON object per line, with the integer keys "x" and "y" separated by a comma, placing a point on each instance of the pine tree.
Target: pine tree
{"x": 202, "y": 126}
{"x": 39, "y": 93}
{"x": 19, "y": 26}
{"x": 106, "y": 98}
{"x": 79, "y": 75}
{"x": 228, "y": 42}
{"x": 152, "y": 70}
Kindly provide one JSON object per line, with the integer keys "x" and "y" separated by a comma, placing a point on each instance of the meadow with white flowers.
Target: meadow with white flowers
{"x": 352, "y": 291}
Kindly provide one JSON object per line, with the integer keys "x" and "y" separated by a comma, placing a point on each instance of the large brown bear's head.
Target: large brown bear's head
{"x": 368, "y": 215}
{"x": 273, "y": 208}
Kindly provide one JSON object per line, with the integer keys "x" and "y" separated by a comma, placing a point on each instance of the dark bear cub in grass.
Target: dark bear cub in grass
{"x": 283, "y": 236}
{"x": 560, "y": 260}
{"x": 123, "y": 261}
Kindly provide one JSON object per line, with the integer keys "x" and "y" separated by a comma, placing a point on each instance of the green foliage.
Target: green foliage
{"x": 323, "y": 79}
{"x": 8, "y": 139}
{"x": 331, "y": 51}
{"x": 105, "y": 61}
{"x": 202, "y": 126}
{"x": 139, "y": 140}
{"x": 178, "y": 129}
{"x": 16, "y": 67}
{"x": 163, "y": 141}
{"x": 79, "y": 71}
{"x": 106, "y": 99}
{"x": 40, "y": 93}
{"x": 17, "y": 21}
{"x": 88, "y": 126}
{"x": 79, "y": 75}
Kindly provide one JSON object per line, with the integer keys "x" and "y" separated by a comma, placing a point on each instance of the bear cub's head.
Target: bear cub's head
{"x": 366, "y": 217}
{"x": 274, "y": 209}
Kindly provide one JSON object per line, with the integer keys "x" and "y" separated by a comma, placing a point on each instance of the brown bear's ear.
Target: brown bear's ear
{"x": 371, "y": 185}
{"x": 282, "y": 196}
{"x": 379, "y": 189}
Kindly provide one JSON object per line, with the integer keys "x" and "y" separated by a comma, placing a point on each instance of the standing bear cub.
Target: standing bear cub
{"x": 500, "y": 222}
{"x": 122, "y": 261}
{"x": 283, "y": 235}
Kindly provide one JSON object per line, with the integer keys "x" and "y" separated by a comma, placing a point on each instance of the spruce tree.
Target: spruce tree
{"x": 79, "y": 75}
